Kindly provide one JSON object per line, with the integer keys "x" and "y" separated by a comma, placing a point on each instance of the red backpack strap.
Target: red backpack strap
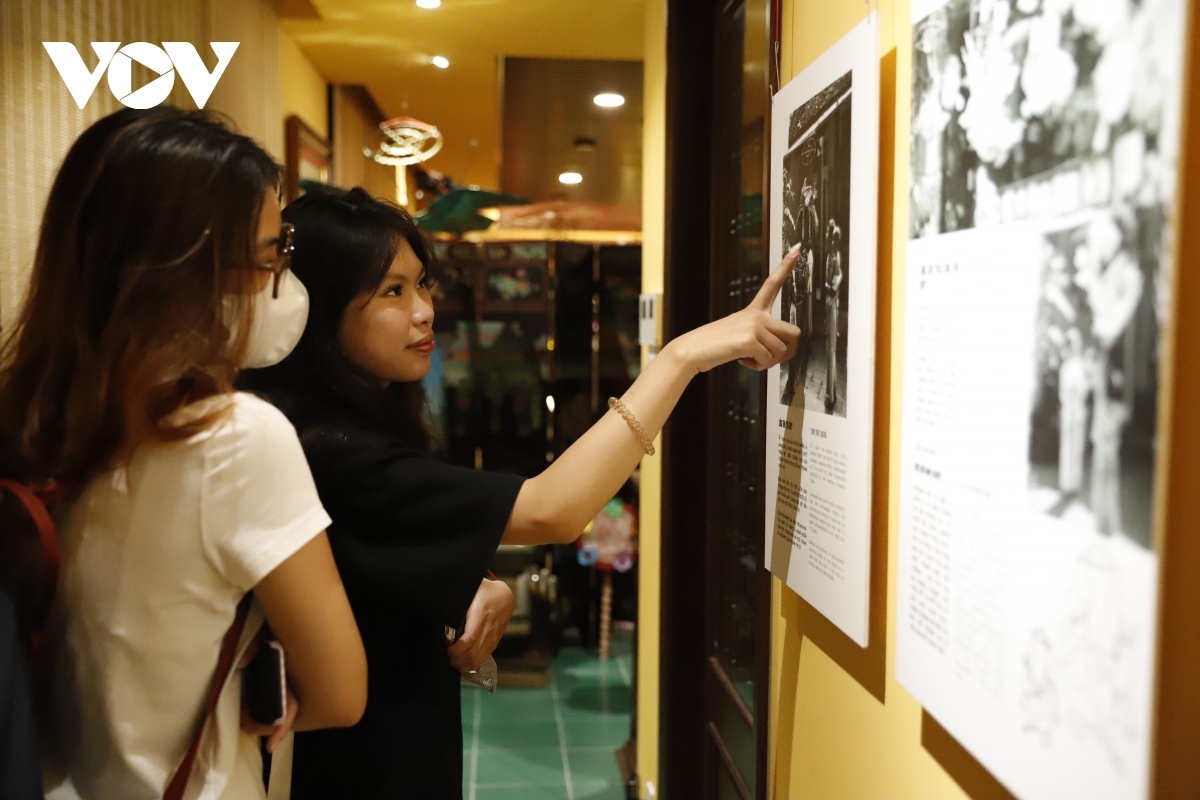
{"x": 34, "y": 498}
{"x": 179, "y": 780}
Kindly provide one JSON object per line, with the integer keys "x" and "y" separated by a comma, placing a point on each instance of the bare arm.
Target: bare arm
{"x": 556, "y": 505}
{"x": 306, "y": 606}
{"x": 487, "y": 619}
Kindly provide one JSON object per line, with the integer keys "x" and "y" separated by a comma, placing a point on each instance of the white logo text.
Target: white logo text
{"x": 165, "y": 61}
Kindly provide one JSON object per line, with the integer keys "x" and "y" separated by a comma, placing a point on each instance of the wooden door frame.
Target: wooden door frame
{"x": 763, "y": 698}
{"x": 686, "y": 269}
{"x": 683, "y": 662}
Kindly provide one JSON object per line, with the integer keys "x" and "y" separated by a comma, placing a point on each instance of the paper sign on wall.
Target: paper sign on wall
{"x": 825, "y": 186}
{"x": 1045, "y": 136}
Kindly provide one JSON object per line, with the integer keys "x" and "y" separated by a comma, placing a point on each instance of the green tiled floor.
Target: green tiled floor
{"x": 552, "y": 743}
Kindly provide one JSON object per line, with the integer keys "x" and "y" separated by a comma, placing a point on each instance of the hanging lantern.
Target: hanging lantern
{"x": 406, "y": 141}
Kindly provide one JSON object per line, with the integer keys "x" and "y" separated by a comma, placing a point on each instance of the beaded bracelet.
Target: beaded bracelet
{"x": 634, "y": 425}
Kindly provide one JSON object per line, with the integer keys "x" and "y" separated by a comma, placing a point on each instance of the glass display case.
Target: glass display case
{"x": 532, "y": 338}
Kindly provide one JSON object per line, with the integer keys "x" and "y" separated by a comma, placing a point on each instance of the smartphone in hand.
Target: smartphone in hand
{"x": 264, "y": 685}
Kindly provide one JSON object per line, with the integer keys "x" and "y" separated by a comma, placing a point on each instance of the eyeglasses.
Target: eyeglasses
{"x": 283, "y": 260}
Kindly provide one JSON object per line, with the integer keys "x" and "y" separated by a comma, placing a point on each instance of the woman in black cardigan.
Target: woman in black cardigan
{"x": 412, "y": 536}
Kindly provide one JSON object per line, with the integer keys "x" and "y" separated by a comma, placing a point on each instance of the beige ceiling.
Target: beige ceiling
{"x": 386, "y": 46}
{"x": 550, "y": 126}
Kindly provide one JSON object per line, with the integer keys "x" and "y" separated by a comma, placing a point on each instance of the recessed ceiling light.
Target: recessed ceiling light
{"x": 609, "y": 100}
{"x": 428, "y": 3}
{"x": 441, "y": 62}
{"x": 570, "y": 178}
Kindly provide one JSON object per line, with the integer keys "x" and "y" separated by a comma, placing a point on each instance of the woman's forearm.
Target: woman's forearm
{"x": 557, "y": 504}
{"x": 305, "y": 603}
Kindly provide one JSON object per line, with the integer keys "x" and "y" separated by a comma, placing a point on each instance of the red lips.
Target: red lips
{"x": 424, "y": 347}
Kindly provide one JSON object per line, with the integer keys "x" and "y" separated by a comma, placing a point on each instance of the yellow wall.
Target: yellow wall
{"x": 355, "y": 127}
{"x": 654, "y": 161}
{"x": 249, "y": 90}
{"x": 302, "y": 88}
{"x": 831, "y": 737}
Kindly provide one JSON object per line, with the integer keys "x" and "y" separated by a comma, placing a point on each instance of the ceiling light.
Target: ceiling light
{"x": 570, "y": 177}
{"x": 428, "y": 3}
{"x": 609, "y": 100}
{"x": 441, "y": 62}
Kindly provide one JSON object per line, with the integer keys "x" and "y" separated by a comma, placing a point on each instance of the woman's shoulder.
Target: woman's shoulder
{"x": 232, "y": 416}
{"x": 253, "y": 416}
{"x": 332, "y": 439}
{"x": 233, "y": 410}
{"x": 245, "y": 427}
{"x": 325, "y": 431}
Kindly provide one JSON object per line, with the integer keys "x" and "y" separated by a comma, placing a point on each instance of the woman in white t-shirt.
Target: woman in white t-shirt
{"x": 161, "y": 269}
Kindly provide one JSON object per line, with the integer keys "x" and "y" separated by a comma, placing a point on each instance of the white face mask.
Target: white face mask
{"x": 278, "y": 322}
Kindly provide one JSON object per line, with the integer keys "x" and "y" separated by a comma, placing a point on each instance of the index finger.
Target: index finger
{"x": 774, "y": 282}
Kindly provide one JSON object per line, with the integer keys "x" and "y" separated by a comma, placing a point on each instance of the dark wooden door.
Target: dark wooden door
{"x": 737, "y": 613}
{"x": 715, "y": 648}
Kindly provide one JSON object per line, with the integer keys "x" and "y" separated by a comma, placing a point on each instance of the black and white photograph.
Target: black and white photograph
{"x": 1091, "y": 443}
{"x": 816, "y": 216}
{"x": 1031, "y": 108}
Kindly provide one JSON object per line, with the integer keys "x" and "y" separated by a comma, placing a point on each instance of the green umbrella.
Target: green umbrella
{"x": 307, "y": 186}
{"x": 457, "y": 211}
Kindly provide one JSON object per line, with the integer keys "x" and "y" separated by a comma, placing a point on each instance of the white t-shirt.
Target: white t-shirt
{"x": 156, "y": 556}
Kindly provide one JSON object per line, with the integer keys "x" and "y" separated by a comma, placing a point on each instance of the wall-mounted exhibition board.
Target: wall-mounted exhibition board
{"x": 1045, "y": 140}
{"x": 820, "y": 403}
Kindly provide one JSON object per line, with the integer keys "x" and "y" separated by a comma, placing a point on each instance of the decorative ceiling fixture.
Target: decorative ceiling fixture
{"x": 441, "y": 62}
{"x": 609, "y": 100}
{"x": 406, "y": 141}
{"x": 570, "y": 178}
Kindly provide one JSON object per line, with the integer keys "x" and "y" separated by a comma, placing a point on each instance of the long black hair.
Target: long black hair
{"x": 345, "y": 242}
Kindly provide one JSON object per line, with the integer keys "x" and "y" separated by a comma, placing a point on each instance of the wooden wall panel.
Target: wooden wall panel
{"x": 1175, "y": 768}
{"x": 39, "y": 120}
{"x": 356, "y": 120}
